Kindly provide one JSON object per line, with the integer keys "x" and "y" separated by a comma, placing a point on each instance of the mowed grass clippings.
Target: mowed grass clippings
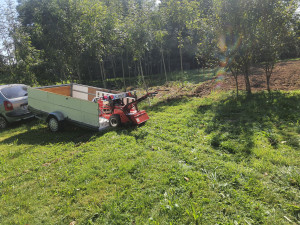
{"x": 211, "y": 160}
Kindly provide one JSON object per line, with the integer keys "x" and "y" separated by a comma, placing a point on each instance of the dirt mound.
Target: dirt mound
{"x": 286, "y": 76}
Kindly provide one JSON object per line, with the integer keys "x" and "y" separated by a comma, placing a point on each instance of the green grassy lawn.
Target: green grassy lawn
{"x": 211, "y": 160}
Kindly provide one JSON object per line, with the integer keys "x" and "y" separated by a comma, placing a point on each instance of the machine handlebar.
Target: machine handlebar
{"x": 130, "y": 105}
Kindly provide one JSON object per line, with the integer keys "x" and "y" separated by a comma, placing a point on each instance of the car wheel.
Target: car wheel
{"x": 114, "y": 120}
{"x": 54, "y": 125}
{"x": 3, "y": 123}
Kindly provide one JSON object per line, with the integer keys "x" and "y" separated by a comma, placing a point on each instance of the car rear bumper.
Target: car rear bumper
{"x": 17, "y": 117}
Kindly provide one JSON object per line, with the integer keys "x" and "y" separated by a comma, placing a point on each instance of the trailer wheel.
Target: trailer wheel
{"x": 3, "y": 123}
{"x": 54, "y": 125}
{"x": 114, "y": 120}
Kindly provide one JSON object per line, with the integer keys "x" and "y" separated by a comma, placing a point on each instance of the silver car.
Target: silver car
{"x": 13, "y": 104}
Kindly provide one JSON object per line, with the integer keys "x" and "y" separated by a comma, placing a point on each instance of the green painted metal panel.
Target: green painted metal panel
{"x": 38, "y": 99}
{"x": 74, "y": 109}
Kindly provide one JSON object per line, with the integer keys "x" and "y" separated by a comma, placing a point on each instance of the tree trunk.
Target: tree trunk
{"x": 145, "y": 64}
{"x": 235, "y": 75}
{"x": 71, "y": 76}
{"x": 136, "y": 69}
{"x": 161, "y": 67}
{"x": 78, "y": 71}
{"x": 268, "y": 72}
{"x": 63, "y": 74}
{"x": 236, "y": 85}
{"x": 163, "y": 60}
{"x": 128, "y": 67}
{"x": 90, "y": 74}
{"x": 158, "y": 68}
{"x": 268, "y": 82}
{"x": 149, "y": 64}
{"x": 246, "y": 76}
{"x": 247, "y": 82}
{"x": 113, "y": 67}
{"x": 181, "y": 66}
{"x": 146, "y": 87}
{"x": 142, "y": 74}
{"x": 123, "y": 73}
{"x": 103, "y": 74}
{"x": 169, "y": 59}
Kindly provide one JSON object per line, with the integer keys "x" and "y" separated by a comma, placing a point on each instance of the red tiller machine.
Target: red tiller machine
{"x": 121, "y": 108}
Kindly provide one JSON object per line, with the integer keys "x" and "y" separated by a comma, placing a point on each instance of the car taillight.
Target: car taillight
{"x": 8, "y": 106}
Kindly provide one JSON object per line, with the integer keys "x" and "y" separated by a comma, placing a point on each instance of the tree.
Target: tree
{"x": 26, "y": 56}
{"x": 20, "y": 57}
{"x": 140, "y": 33}
{"x": 272, "y": 29}
{"x": 8, "y": 24}
{"x": 160, "y": 38}
{"x": 202, "y": 25}
{"x": 179, "y": 14}
{"x": 237, "y": 20}
{"x": 87, "y": 40}
{"x": 95, "y": 31}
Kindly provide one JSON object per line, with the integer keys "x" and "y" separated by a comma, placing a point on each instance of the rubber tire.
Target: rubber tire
{"x": 54, "y": 124}
{"x": 114, "y": 120}
{"x": 3, "y": 123}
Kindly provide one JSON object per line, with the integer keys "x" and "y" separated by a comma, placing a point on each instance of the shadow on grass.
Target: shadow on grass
{"x": 36, "y": 133}
{"x": 234, "y": 122}
{"x": 16, "y": 125}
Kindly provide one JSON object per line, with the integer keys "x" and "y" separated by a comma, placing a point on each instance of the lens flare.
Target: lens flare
{"x": 229, "y": 43}
{"x": 220, "y": 74}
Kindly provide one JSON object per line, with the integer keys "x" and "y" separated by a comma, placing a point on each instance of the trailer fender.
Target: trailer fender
{"x": 57, "y": 114}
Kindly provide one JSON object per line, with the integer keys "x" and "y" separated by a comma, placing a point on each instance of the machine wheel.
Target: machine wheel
{"x": 114, "y": 120}
{"x": 3, "y": 123}
{"x": 54, "y": 125}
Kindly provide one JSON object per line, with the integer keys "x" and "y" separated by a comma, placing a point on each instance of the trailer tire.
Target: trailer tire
{"x": 54, "y": 124}
{"x": 3, "y": 123}
{"x": 114, "y": 120}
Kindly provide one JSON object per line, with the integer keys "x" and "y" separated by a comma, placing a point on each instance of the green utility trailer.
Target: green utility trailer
{"x": 71, "y": 103}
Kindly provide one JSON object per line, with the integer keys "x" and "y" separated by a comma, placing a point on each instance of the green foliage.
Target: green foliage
{"x": 196, "y": 161}
{"x": 50, "y": 41}
{"x": 252, "y": 32}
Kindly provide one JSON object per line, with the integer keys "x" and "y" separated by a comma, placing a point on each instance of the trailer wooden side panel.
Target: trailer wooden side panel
{"x": 73, "y": 109}
{"x": 64, "y": 90}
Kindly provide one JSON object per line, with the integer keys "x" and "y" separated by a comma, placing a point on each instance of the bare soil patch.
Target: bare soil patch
{"x": 286, "y": 76}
